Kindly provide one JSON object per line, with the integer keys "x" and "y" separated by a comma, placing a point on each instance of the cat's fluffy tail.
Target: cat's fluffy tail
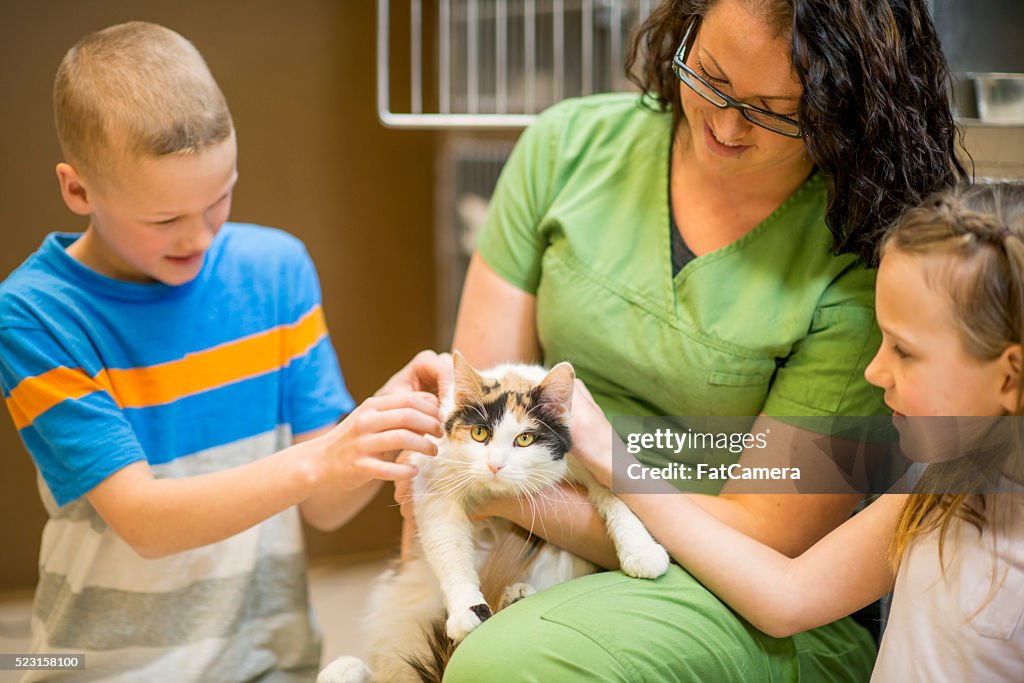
{"x": 430, "y": 669}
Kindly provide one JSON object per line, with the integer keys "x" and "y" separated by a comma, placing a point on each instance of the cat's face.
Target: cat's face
{"x": 508, "y": 429}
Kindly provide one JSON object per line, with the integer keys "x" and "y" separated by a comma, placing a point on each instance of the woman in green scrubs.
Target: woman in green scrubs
{"x": 705, "y": 254}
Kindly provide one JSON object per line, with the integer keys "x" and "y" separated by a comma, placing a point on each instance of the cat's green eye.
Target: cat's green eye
{"x": 480, "y": 433}
{"x": 525, "y": 439}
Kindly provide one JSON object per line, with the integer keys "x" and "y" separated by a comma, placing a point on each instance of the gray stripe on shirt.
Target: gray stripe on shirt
{"x": 107, "y": 619}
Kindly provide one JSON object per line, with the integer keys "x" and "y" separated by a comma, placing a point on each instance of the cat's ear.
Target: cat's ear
{"x": 558, "y": 385}
{"x": 468, "y": 382}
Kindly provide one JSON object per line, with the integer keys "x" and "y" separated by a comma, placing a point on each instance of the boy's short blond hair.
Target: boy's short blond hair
{"x": 131, "y": 90}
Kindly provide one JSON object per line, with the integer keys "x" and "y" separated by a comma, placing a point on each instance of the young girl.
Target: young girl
{"x": 950, "y": 303}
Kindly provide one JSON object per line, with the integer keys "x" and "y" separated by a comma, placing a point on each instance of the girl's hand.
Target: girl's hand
{"x": 591, "y": 435}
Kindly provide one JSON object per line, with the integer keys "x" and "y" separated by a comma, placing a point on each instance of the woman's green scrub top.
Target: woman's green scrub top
{"x": 773, "y": 323}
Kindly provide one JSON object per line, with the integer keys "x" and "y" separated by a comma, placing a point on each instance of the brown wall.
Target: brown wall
{"x": 299, "y": 77}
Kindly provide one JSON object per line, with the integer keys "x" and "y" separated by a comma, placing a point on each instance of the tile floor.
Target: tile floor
{"x": 339, "y": 588}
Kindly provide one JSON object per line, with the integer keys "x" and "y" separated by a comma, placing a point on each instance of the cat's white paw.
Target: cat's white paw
{"x": 650, "y": 562}
{"x": 462, "y": 622}
{"x": 346, "y": 670}
{"x": 515, "y": 593}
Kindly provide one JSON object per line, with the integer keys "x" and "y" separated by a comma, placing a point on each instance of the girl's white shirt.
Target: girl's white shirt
{"x": 967, "y": 623}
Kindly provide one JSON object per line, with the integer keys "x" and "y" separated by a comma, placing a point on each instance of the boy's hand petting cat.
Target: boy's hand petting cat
{"x": 427, "y": 371}
{"x": 591, "y": 435}
{"x": 365, "y": 444}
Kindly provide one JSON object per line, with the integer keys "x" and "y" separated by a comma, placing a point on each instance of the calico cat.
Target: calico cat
{"x": 506, "y": 433}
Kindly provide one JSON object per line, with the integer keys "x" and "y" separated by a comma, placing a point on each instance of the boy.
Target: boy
{"x": 157, "y": 368}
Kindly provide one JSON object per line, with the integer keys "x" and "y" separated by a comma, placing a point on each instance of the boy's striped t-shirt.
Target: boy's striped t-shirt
{"x": 100, "y": 373}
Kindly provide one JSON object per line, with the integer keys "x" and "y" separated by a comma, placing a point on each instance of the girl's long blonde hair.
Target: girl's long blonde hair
{"x": 981, "y": 229}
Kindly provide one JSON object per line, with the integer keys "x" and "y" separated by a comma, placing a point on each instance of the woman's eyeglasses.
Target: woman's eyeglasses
{"x": 783, "y": 125}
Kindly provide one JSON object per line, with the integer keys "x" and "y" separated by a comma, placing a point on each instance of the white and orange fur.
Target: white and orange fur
{"x": 408, "y": 599}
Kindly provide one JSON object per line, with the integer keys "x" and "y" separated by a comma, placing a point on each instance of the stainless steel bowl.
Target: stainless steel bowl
{"x": 1000, "y": 97}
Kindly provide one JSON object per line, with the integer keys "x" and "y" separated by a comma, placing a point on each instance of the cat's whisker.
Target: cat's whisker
{"x": 553, "y": 488}
{"x": 453, "y": 478}
{"x": 556, "y": 496}
{"x": 436, "y": 494}
{"x": 465, "y": 486}
{"x": 529, "y": 413}
{"x": 444, "y": 485}
{"x": 460, "y": 488}
{"x": 451, "y": 485}
{"x": 538, "y": 504}
{"x": 533, "y": 514}
{"x": 480, "y": 409}
{"x": 455, "y": 474}
{"x": 526, "y": 498}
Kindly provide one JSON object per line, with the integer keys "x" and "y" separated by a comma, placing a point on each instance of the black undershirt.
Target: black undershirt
{"x": 681, "y": 253}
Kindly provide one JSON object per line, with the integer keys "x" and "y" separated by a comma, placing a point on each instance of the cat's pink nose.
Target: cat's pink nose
{"x": 495, "y": 467}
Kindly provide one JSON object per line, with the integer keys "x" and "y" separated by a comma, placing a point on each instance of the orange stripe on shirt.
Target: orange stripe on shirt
{"x": 215, "y": 367}
{"x": 35, "y": 395}
{"x": 166, "y": 382}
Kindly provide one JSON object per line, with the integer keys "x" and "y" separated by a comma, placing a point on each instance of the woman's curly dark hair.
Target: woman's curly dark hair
{"x": 875, "y": 109}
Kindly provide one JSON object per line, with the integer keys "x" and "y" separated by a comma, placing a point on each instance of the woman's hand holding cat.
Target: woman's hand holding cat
{"x": 591, "y": 435}
{"x": 365, "y": 444}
